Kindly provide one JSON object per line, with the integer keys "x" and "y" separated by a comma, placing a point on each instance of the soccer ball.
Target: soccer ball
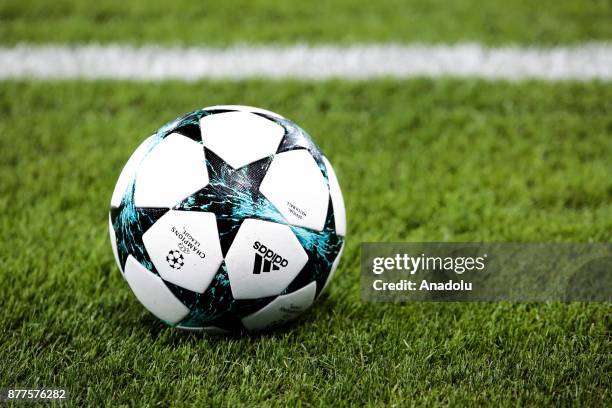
{"x": 228, "y": 219}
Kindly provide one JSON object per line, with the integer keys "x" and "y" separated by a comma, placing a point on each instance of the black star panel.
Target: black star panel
{"x": 296, "y": 138}
{"x": 322, "y": 248}
{"x": 190, "y": 130}
{"x": 130, "y": 223}
{"x": 216, "y": 306}
{"x": 233, "y": 196}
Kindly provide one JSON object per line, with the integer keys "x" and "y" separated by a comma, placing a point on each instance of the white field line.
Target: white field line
{"x": 583, "y": 62}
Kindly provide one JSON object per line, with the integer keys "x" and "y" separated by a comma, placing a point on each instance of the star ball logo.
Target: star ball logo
{"x": 266, "y": 259}
{"x": 175, "y": 259}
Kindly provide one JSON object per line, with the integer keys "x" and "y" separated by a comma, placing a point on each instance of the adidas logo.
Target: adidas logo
{"x": 267, "y": 260}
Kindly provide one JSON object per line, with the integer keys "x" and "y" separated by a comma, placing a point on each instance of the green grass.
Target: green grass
{"x": 418, "y": 160}
{"x": 343, "y": 21}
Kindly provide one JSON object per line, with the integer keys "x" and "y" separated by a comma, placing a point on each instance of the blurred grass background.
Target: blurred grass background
{"x": 418, "y": 160}
{"x": 431, "y": 160}
{"x": 494, "y": 22}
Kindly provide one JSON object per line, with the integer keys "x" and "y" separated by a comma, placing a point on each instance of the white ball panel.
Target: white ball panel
{"x": 282, "y": 309}
{"x": 261, "y": 245}
{"x": 153, "y": 293}
{"x": 129, "y": 171}
{"x": 113, "y": 240}
{"x": 333, "y": 268}
{"x": 194, "y": 235}
{"x": 295, "y": 185}
{"x": 240, "y": 138}
{"x": 173, "y": 170}
{"x": 337, "y": 199}
{"x": 244, "y": 108}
